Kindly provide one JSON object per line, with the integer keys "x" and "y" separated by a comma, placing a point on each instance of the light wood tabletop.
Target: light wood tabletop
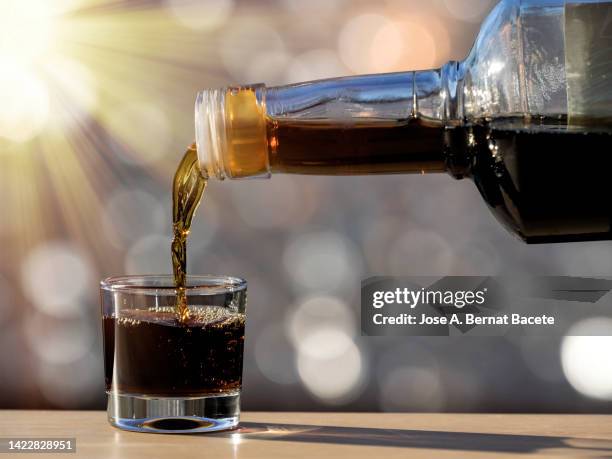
{"x": 330, "y": 435}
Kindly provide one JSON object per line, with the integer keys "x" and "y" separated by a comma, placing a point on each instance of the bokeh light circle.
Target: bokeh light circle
{"x": 411, "y": 388}
{"x": 319, "y": 7}
{"x": 274, "y": 355}
{"x": 55, "y": 277}
{"x": 130, "y": 214}
{"x": 277, "y": 203}
{"x": 313, "y": 311}
{"x": 409, "y": 380}
{"x": 420, "y": 252}
{"x": 585, "y": 357}
{"x": 373, "y": 43}
{"x": 72, "y": 385}
{"x": 149, "y": 255}
{"x": 243, "y": 42}
{"x": 325, "y": 342}
{"x": 421, "y": 47}
{"x": 144, "y": 128}
{"x": 268, "y": 66}
{"x": 386, "y": 48}
{"x": 201, "y": 14}
{"x": 322, "y": 261}
{"x": 58, "y": 341}
{"x": 468, "y": 10}
{"x": 315, "y": 64}
{"x": 355, "y": 45}
{"x": 332, "y": 377}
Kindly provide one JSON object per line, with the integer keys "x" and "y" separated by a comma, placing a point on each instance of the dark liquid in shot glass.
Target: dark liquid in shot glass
{"x": 152, "y": 352}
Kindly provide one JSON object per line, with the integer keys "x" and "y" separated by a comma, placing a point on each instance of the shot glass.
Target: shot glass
{"x": 165, "y": 375}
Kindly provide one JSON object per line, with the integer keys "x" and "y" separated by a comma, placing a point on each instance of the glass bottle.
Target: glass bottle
{"x": 527, "y": 116}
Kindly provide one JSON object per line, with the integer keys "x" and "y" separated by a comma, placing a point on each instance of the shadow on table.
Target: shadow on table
{"x": 428, "y": 439}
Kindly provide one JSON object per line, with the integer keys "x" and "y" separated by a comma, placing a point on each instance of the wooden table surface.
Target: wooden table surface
{"x": 330, "y": 435}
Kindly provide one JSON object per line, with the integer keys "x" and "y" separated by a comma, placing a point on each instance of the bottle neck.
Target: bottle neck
{"x": 389, "y": 123}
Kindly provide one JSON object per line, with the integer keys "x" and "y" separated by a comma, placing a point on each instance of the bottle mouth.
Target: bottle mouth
{"x": 231, "y": 135}
{"x": 210, "y": 131}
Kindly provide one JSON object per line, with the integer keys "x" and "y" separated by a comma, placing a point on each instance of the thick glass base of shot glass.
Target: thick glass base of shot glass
{"x": 140, "y": 413}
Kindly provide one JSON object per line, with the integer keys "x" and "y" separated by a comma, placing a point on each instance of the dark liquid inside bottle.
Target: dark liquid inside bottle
{"x": 155, "y": 353}
{"x": 353, "y": 148}
{"x": 547, "y": 182}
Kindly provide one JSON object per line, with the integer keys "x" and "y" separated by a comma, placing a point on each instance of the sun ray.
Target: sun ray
{"x": 70, "y": 68}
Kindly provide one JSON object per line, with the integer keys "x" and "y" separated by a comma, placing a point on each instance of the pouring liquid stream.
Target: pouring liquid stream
{"x": 187, "y": 190}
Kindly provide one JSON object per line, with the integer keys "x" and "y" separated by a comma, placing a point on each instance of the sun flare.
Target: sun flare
{"x": 85, "y": 84}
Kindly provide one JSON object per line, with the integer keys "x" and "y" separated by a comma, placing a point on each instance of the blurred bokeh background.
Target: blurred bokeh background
{"x": 96, "y": 108}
